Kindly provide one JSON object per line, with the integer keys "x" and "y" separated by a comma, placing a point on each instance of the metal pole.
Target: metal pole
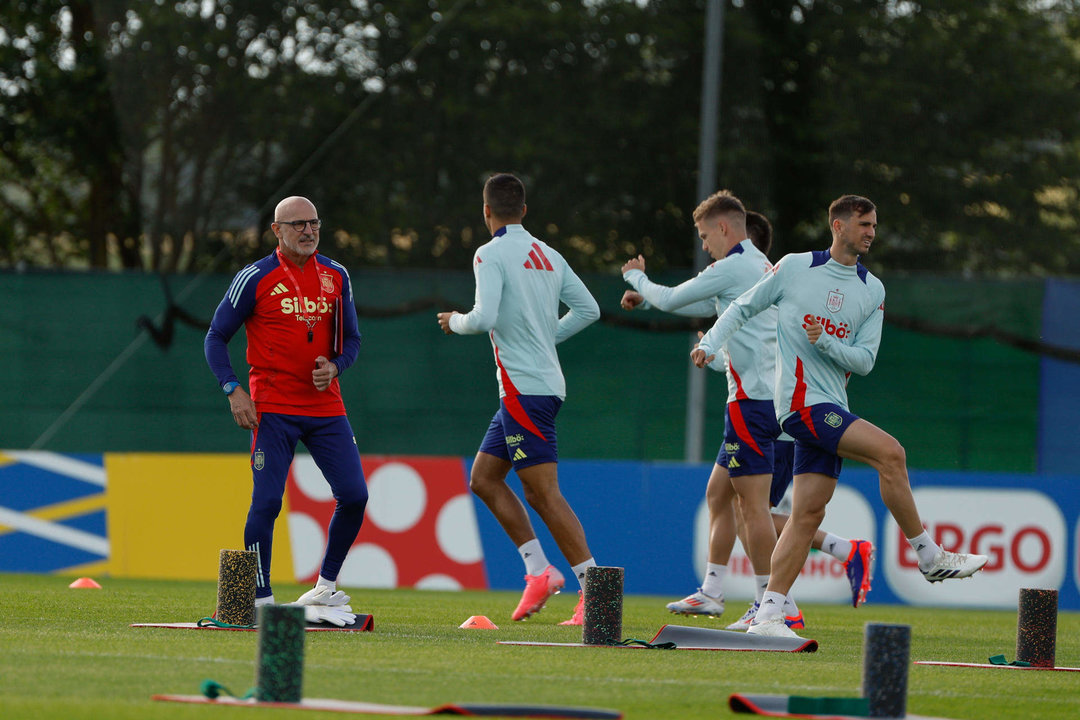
{"x": 710, "y": 115}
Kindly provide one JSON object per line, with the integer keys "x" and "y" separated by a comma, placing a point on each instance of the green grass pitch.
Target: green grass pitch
{"x": 71, "y": 654}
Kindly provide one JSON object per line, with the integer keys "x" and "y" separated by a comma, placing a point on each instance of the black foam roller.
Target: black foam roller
{"x": 886, "y": 653}
{"x": 602, "y": 622}
{"x": 1036, "y": 626}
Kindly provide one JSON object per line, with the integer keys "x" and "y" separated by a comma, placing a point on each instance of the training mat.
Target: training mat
{"x": 991, "y": 665}
{"x": 475, "y": 710}
{"x": 681, "y": 637}
{"x": 777, "y": 706}
{"x": 696, "y": 638}
{"x": 364, "y": 623}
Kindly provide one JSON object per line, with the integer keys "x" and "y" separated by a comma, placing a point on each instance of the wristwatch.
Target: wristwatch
{"x": 229, "y": 387}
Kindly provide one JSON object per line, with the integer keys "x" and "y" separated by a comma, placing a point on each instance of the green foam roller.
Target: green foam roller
{"x": 236, "y": 587}
{"x": 280, "y": 660}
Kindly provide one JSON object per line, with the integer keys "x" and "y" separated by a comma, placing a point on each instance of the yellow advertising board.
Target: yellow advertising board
{"x": 171, "y": 515}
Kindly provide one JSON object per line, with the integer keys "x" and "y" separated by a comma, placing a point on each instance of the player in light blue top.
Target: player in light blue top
{"x": 831, "y": 312}
{"x": 520, "y": 282}
{"x": 752, "y": 462}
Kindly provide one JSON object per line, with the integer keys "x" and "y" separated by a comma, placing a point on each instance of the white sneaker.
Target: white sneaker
{"x": 949, "y": 565}
{"x": 698, "y": 604}
{"x": 773, "y": 627}
{"x": 743, "y": 623}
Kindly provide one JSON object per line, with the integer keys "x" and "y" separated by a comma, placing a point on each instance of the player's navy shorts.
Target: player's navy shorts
{"x": 783, "y": 462}
{"x": 332, "y": 446}
{"x": 817, "y": 430}
{"x": 750, "y": 428}
{"x": 523, "y": 430}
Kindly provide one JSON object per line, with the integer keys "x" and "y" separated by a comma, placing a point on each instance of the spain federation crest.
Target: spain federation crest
{"x": 835, "y": 301}
{"x": 327, "y": 283}
{"x": 258, "y": 460}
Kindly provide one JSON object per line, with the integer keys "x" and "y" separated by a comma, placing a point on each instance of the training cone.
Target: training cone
{"x": 478, "y": 622}
{"x": 85, "y": 583}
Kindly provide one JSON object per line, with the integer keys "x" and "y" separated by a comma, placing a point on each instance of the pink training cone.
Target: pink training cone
{"x": 478, "y": 622}
{"x": 85, "y": 582}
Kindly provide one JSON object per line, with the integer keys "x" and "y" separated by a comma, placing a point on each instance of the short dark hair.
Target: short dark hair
{"x": 719, "y": 203}
{"x": 759, "y": 229}
{"x": 843, "y": 207}
{"x": 505, "y": 195}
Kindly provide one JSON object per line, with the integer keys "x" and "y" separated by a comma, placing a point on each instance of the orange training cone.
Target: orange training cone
{"x": 85, "y": 582}
{"x": 478, "y": 622}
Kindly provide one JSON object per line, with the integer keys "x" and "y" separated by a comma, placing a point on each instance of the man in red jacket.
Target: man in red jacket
{"x": 297, "y": 309}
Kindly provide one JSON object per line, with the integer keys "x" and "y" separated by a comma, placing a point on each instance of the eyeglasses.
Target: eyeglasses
{"x": 298, "y": 225}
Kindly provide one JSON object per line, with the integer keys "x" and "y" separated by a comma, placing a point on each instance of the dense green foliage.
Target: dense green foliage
{"x": 159, "y": 135}
{"x": 69, "y": 654}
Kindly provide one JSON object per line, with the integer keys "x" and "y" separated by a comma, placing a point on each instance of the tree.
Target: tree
{"x": 174, "y": 127}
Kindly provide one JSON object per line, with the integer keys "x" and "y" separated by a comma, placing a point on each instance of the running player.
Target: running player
{"x": 745, "y": 464}
{"x": 519, "y": 284}
{"x": 831, "y": 311}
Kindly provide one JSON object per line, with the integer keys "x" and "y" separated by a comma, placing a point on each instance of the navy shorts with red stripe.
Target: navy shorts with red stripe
{"x": 817, "y": 430}
{"x": 750, "y": 429}
{"x": 523, "y": 430}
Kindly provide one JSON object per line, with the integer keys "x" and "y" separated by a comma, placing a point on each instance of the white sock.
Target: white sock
{"x": 579, "y": 571}
{"x": 926, "y": 548}
{"x": 268, "y": 600}
{"x": 323, "y": 582}
{"x": 772, "y": 605}
{"x": 713, "y": 586}
{"x": 836, "y": 546}
{"x": 760, "y": 583}
{"x": 790, "y": 608}
{"x": 533, "y": 555}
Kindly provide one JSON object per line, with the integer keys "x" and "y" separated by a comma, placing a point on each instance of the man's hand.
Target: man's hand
{"x": 698, "y": 356}
{"x": 324, "y": 372}
{"x": 243, "y": 409}
{"x": 637, "y": 263}
{"x": 813, "y": 331}
{"x": 444, "y": 321}
{"x": 630, "y": 300}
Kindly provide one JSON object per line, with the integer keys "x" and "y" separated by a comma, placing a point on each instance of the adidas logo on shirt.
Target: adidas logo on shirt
{"x": 537, "y": 260}
{"x": 278, "y": 289}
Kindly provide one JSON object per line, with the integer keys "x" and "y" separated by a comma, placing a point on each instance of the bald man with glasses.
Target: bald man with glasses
{"x": 297, "y": 309}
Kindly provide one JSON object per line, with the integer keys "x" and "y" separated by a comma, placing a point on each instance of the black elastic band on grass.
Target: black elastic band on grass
{"x": 658, "y": 646}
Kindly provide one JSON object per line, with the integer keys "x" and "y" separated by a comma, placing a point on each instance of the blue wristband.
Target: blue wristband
{"x": 229, "y": 387}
